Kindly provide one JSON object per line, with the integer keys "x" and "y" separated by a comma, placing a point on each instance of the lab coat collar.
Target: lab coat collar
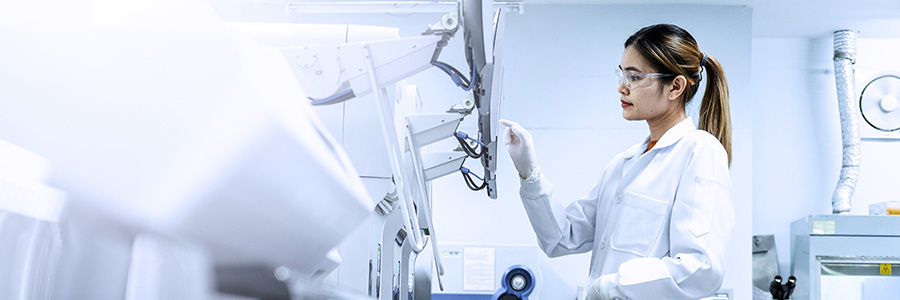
{"x": 674, "y": 134}
{"x": 669, "y": 138}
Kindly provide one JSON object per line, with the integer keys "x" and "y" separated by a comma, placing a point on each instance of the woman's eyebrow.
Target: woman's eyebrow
{"x": 629, "y": 68}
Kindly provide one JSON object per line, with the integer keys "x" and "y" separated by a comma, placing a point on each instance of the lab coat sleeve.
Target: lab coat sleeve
{"x": 560, "y": 231}
{"x": 700, "y": 232}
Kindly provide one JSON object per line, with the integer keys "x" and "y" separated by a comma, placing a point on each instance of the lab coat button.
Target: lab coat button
{"x": 616, "y": 298}
{"x": 619, "y": 199}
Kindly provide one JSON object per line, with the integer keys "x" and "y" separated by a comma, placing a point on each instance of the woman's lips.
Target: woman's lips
{"x": 626, "y": 104}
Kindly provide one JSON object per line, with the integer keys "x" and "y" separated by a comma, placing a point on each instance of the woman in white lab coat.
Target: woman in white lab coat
{"x": 660, "y": 219}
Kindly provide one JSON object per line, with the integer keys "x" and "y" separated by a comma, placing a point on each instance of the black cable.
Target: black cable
{"x": 471, "y": 182}
{"x": 472, "y": 185}
{"x": 468, "y": 150}
{"x": 444, "y": 67}
{"x": 458, "y": 77}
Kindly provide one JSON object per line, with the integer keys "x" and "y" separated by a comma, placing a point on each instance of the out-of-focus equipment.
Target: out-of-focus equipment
{"x": 887, "y": 208}
{"x": 516, "y": 284}
{"x": 765, "y": 260}
{"x": 846, "y": 257}
{"x": 30, "y": 238}
{"x": 175, "y": 127}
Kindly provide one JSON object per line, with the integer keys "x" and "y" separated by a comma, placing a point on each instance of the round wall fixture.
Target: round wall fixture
{"x": 878, "y": 103}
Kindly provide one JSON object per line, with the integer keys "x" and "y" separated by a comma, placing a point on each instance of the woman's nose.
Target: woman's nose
{"x": 622, "y": 89}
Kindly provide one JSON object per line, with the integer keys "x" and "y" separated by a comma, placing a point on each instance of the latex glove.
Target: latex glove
{"x": 599, "y": 290}
{"x": 521, "y": 148}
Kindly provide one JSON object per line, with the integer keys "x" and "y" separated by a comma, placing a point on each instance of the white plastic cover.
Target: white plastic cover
{"x": 163, "y": 118}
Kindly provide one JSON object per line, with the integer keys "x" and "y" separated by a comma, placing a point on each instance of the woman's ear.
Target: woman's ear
{"x": 677, "y": 88}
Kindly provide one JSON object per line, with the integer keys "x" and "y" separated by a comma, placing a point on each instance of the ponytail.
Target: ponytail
{"x": 715, "y": 116}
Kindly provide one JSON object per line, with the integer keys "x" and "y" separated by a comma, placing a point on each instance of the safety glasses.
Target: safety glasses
{"x": 635, "y": 79}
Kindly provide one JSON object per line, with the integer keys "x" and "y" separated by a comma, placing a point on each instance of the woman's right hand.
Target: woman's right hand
{"x": 521, "y": 148}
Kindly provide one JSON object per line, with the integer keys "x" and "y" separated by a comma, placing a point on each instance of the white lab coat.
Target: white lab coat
{"x": 658, "y": 223}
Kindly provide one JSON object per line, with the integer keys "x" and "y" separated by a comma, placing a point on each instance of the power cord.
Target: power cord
{"x": 458, "y": 78}
{"x": 471, "y": 183}
{"x": 462, "y": 137}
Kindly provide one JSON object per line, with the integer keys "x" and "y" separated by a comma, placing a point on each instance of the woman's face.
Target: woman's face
{"x": 648, "y": 101}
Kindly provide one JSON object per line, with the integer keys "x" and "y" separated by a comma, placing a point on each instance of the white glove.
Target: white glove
{"x": 521, "y": 148}
{"x": 599, "y": 290}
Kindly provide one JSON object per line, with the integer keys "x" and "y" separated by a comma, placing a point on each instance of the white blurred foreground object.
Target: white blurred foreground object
{"x": 165, "y": 269}
{"x": 170, "y": 123}
{"x": 29, "y": 225}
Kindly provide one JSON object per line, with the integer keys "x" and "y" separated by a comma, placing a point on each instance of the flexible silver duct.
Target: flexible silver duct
{"x": 844, "y": 58}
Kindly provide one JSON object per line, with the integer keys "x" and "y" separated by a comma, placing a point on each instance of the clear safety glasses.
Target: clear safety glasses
{"x": 635, "y": 79}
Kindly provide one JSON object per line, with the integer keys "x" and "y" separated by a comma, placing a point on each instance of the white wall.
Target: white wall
{"x": 797, "y": 135}
{"x": 560, "y": 85}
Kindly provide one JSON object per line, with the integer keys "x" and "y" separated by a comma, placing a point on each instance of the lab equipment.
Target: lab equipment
{"x": 341, "y": 75}
{"x": 776, "y": 289}
{"x": 163, "y": 268}
{"x": 485, "y": 43}
{"x": 765, "y": 260}
{"x": 516, "y": 284}
{"x": 782, "y": 291}
{"x": 30, "y": 234}
{"x": 478, "y": 271}
{"x": 242, "y": 167}
{"x": 177, "y": 126}
{"x": 343, "y": 71}
{"x": 844, "y": 58}
{"x": 846, "y": 257}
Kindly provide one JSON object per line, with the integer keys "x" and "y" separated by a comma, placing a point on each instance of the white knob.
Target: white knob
{"x": 518, "y": 282}
{"x": 888, "y": 103}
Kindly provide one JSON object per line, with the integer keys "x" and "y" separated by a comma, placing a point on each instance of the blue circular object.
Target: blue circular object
{"x": 518, "y": 283}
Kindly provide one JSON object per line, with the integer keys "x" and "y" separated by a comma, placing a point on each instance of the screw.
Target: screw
{"x": 414, "y": 46}
{"x": 282, "y": 273}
